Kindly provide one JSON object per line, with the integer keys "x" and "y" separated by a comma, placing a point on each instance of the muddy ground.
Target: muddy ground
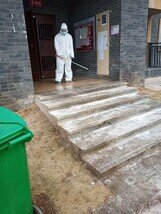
{"x": 60, "y": 183}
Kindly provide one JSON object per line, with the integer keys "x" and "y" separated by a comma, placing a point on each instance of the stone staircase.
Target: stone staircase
{"x": 105, "y": 125}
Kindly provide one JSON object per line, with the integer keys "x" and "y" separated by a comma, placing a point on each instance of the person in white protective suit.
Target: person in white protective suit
{"x": 63, "y": 42}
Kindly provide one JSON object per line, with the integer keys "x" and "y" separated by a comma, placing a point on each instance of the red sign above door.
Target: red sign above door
{"x": 35, "y": 3}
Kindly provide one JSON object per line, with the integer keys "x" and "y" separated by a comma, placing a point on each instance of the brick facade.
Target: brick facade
{"x": 127, "y": 50}
{"x": 134, "y": 18}
{"x": 16, "y": 86}
{"x": 78, "y": 10}
{"x": 83, "y": 9}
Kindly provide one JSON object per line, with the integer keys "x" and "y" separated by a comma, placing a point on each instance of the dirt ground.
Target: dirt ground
{"x": 60, "y": 184}
{"x": 152, "y": 94}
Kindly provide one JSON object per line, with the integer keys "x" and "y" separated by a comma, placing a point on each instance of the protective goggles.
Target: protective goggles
{"x": 62, "y": 30}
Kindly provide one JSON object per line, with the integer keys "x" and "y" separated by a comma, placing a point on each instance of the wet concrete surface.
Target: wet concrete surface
{"x": 49, "y": 85}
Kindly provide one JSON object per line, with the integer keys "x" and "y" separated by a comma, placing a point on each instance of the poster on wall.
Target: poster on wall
{"x": 85, "y": 35}
{"x": 35, "y": 3}
{"x": 102, "y": 44}
{"x": 115, "y": 30}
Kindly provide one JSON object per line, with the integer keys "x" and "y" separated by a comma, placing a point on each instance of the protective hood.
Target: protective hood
{"x": 64, "y": 27}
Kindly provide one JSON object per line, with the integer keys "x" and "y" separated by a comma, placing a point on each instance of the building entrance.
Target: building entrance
{"x": 41, "y": 31}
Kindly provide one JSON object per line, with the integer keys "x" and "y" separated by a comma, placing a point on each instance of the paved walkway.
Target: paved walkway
{"x": 156, "y": 209}
{"x": 135, "y": 184}
{"x": 153, "y": 84}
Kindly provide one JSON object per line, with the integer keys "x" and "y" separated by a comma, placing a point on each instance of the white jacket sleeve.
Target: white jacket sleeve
{"x": 71, "y": 48}
{"x": 56, "y": 44}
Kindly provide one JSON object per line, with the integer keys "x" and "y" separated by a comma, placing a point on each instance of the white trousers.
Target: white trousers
{"x": 61, "y": 65}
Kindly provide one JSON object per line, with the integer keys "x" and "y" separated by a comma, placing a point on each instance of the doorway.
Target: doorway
{"x": 102, "y": 32}
{"x": 41, "y": 31}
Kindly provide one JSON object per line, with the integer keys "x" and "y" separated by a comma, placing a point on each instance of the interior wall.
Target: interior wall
{"x": 83, "y": 9}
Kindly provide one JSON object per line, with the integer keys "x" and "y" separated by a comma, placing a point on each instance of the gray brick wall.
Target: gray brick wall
{"x": 16, "y": 86}
{"x": 153, "y": 72}
{"x": 127, "y": 50}
{"x": 82, "y": 9}
{"x": 133, "y": 40}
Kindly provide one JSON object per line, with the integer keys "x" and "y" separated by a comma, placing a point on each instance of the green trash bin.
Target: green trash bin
{"x": 15, "y": 195}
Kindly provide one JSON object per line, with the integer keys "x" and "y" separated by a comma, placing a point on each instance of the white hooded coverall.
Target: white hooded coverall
{"x": 65, "y": 53}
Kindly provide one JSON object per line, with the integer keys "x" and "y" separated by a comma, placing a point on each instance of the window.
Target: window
{"x": 104, "y": 19}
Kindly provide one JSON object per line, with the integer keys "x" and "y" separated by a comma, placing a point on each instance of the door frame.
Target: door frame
{"x": 108, "y": 42}
{"x": 32, "y": 35}
{"x": 54, "y": 21}
{"x": 32, "y": 45}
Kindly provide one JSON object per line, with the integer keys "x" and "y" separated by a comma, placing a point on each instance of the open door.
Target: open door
{"x": 33, "y": 45}
{"x": 102, "y": 32}
{"x": 45, "y": 33}
{"x": 41, "y": 31}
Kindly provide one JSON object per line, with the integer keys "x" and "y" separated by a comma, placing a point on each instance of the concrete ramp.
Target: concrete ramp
{"x": 104, "y": 125}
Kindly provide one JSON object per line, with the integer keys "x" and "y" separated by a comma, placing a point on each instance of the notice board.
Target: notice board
{"x": 85, "y": 35}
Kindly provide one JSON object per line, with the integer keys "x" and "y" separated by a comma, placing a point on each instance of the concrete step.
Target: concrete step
{"x": 73, "y": 126}
{"x": 81, "y": 110}
{"x": 86, "y": 97}
{"x": 101, "y": 161}
{"x": 70, "y": 91}
{"x": 104, "y": 125}
{"x": 88, "y": 141}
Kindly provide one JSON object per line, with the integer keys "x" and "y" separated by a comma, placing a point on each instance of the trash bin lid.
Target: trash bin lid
{"x": 11, "y": 125}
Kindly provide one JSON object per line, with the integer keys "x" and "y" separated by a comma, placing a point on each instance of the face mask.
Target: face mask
{"x": 63, "y": 33}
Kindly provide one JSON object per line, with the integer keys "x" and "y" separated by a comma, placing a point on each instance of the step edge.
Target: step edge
{"x": 138, "y": 97}
{"x": 87, "y": 100}
{"x": 105, "y": 143}
{"x": 92, "y": 89}
{"x": 135, "y": 94}
{"x": 134, "y": 154}
{"x": 104, "y": 122}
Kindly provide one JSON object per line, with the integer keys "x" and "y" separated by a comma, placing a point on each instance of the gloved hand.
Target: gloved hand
{"x": 68, "y": 58}
{"x": 65, "y": 57}
{"x": 61, "y": 57}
